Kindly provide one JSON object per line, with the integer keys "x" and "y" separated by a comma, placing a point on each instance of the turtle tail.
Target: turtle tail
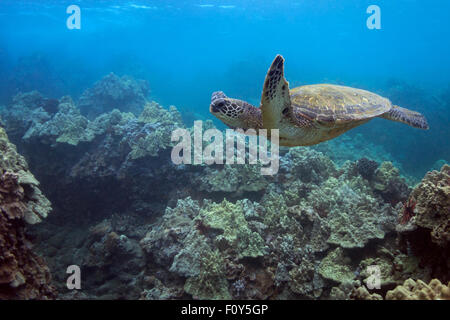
{"x": 412, "y": 118}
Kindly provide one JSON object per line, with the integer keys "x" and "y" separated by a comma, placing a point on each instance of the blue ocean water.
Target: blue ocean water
{"x": 188, "y": 49}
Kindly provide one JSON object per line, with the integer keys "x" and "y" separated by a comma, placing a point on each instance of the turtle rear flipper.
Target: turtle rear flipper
{"x": 412, "y": 118}
{"x": 275, "y": 100}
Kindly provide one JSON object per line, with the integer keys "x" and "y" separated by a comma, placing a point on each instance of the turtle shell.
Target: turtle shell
{"x": 328, "y": 103}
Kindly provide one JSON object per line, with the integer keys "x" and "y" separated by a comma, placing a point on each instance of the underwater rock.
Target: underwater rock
{"x": 361, "y": 293}
{"x": 336, "y": 267}
{"x": 23, "y": 274}
{"x": 178, "y": 243}
{"x": 118, "y": 165}
{"x": 344, "y": 290}
{"x": 167, "y": 239}
{"x": 366, "y": 168}
{"x": 232, "y": 179}
{"x": 432, "y": 205}
{"x": 389, "y": 184}
{"x": 305, "y": 280}
{"x": 25, "y": 111}
{"x": 157, "y": 127}
{"x": 306, "y": 165}
{"x": 315, "y": 229}
{"x": 159, "y": 291}
{"x": 275, "y": 209}
{"x": 66, "y": 126}
{"x": 211, "y": 282}
{"x": 394, "y": 266}
{"x": 27, "y": 201}
{"x": 419, "y": 290}
{"x": 108, "y": 252}
{"x": 28, "y": 100}
{"x": 206, "y": 244}
{"x": 73, "y": 156}
{"x": 107, "y": 248}
{"x": 32, "y": 100}
{"x": 229, "y": 220}
{"x": 113, "y": 92}
{"x": 352, "y": 213}
{"x": 345, "y": 208}
{"x": 187, "y": 262}
{"x": 224, "y": 223}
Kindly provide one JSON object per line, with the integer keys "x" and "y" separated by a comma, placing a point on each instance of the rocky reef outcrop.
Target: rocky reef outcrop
{"x": 431, "y": 199}
{"x": 140, "y": 226}
{"x": 81, "y": 154}
{"x": 113, "y": 92}
{"x": 23, "y": 274}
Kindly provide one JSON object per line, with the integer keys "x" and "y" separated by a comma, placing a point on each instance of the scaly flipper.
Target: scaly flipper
{"x": 412, "y": 118}
{"x": 275, "y": 101}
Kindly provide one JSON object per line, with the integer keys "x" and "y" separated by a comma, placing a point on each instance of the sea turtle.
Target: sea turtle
{"x": 309, "y": 114}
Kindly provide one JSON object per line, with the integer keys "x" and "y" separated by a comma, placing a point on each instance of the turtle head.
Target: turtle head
{"x": 233, "y": 112}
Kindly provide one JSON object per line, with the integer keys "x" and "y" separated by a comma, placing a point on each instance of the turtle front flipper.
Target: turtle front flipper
{"x": 275, "y": 101}
{"x": 409, "y": 117}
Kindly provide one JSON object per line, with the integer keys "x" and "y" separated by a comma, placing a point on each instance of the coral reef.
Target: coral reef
{"x": 336, "y": 266}
{"x": 432, "y": 205}
{"x": 229, "y": 220}
{"x": 114, "y": 92}
{"x": 361, "y": 293}
{"x": 68, "y": 148}
{"x": 108, "y": 253}
{"x": 23, "y": 274}
{"x": 66, "y": 126}
{"x": 142, "y": 227}
{"x": 233, "y": 179}
{"x": 366, "y": 168}
{"x": 22, "y": 199}
{"x": 211, "y": 282}
{"x": 197, "y": 242}
{"x": 419, "y": 290}
{"x": 354, "y": 215}
{"x": 389, "y": 184}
